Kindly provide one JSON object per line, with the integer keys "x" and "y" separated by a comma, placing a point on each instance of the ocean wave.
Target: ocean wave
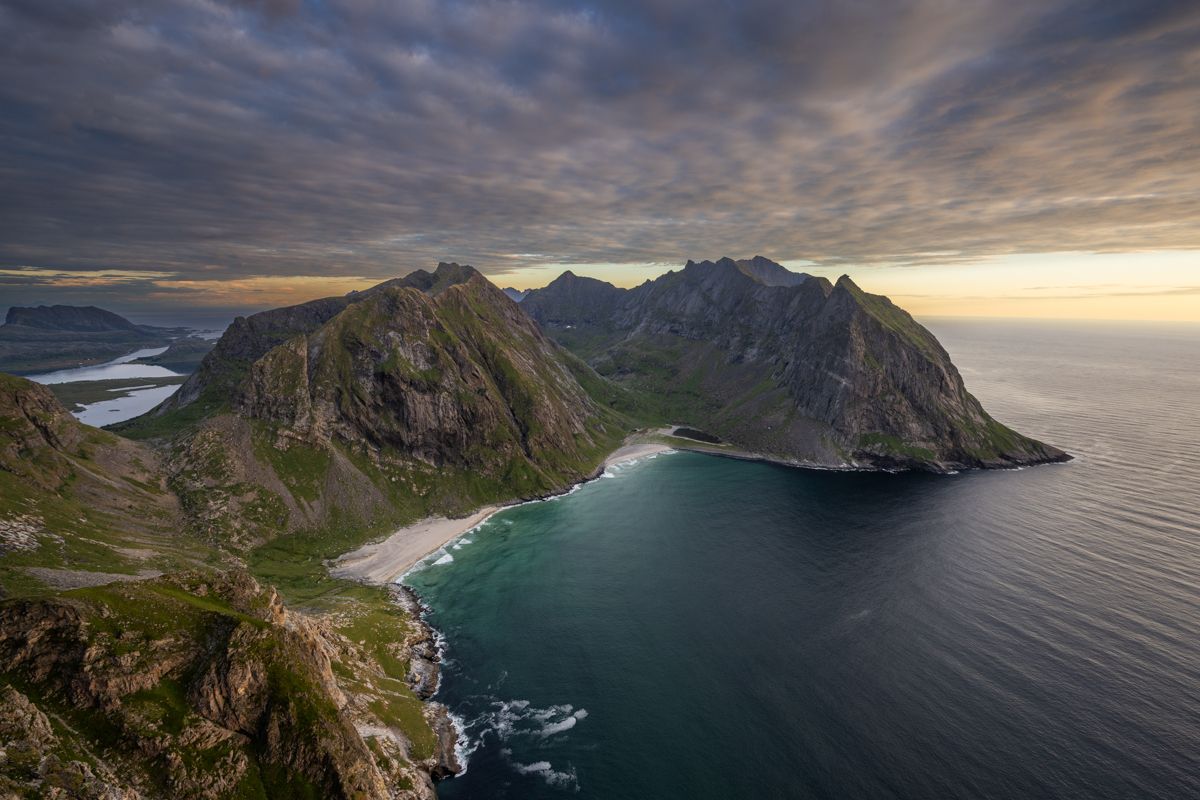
{"x": 445, "y": 559}
{"x": 463, "y": 747}
{"x": 566, "y": 779}
{"x": 552, "y": 776}
{"x": 512, "y": 719}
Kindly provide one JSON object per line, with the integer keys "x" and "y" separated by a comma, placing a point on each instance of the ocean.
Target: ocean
{"x": 696, "y": 627}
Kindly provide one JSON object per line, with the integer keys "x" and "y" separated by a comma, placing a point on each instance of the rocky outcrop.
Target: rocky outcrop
{"x": 248, "y": 339}
{"x": 203, "y": 688}
{"x": 768, "y": 273}
{"x": 36, "y": 761}
{"x": 791, "y": 367}
{"x": 575, "y": 301}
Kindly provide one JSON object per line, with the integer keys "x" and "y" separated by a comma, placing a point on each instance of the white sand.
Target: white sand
{"x": 384, "y": 562}
{"x": 632, "y": 451}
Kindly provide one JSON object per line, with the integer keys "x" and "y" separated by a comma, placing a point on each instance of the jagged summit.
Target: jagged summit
{"x": 446, "y": 275}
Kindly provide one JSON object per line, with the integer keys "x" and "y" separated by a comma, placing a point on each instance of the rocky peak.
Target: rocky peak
{"x": 579, "y": 300}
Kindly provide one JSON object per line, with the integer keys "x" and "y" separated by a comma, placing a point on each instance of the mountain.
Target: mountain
{"x": 768, "y": 273}
{"x": 516, "y": 295}
{"x": 46, "y": 338}
{"x": 794, "y": 368}
{"x": 249, "y": 338}
{"x": 430, "y": 393}
{"x": 69, "y": 318}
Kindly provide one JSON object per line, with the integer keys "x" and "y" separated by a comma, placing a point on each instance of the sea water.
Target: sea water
{"x": 698, "y": 627}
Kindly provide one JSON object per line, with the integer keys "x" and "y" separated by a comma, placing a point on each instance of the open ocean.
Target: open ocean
{"x": 698, "y": 627}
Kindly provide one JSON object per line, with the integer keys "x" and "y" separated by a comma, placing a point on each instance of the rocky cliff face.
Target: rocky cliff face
{"x": 120, "y": 682}
{"x": 795, "y": 368}
{"x": 768, "y": 273}
{"x": 198, "y": 688}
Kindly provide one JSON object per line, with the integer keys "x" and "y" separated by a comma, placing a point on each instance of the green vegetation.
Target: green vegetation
{"x": 892, "y": 445}
{"x": 174, "y": 421}
{"x": 303, "y": 468}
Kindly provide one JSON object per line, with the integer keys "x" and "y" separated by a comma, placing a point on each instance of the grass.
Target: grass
{"x": 892, "y": 445}
{"x": 303, "y": 468}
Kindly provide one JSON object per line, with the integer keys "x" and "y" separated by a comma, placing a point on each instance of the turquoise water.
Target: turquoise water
{"x": 695, "y": 627}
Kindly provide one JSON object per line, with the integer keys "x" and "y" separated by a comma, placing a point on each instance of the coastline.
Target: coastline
{"x": 386, "y": 561}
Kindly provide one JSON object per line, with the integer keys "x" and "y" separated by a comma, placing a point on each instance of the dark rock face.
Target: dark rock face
{"x": 69, "y": 318}
{"x": 457, "y": 377}
{"x": 248, "y": 339}
{"x": 797, "y": 369}
{"x": 573, "y": 300}
{"x": 244, "y": 341}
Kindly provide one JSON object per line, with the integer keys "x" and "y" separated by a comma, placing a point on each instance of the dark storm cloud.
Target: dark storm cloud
{"x": 362, "y": 137}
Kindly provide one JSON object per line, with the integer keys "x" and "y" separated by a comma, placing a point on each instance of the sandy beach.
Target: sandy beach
{"x": 631, "y": 451}
{"x": 386, "y": 561}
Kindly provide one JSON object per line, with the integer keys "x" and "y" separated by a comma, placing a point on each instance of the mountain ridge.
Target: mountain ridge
{"x": 809, "y": 373}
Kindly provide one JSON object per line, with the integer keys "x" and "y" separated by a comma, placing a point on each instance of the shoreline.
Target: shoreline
{"x": 387, "y": 561}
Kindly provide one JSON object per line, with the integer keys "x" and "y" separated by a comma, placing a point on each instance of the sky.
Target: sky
{"x": 966, "y": 157}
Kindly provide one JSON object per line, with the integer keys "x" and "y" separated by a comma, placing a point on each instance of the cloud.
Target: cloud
{"x": 350, "y": 138}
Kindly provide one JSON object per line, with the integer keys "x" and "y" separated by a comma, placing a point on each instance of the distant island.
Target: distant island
{"x": 46, "y": 338}
{"x": 168, "y": 585}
